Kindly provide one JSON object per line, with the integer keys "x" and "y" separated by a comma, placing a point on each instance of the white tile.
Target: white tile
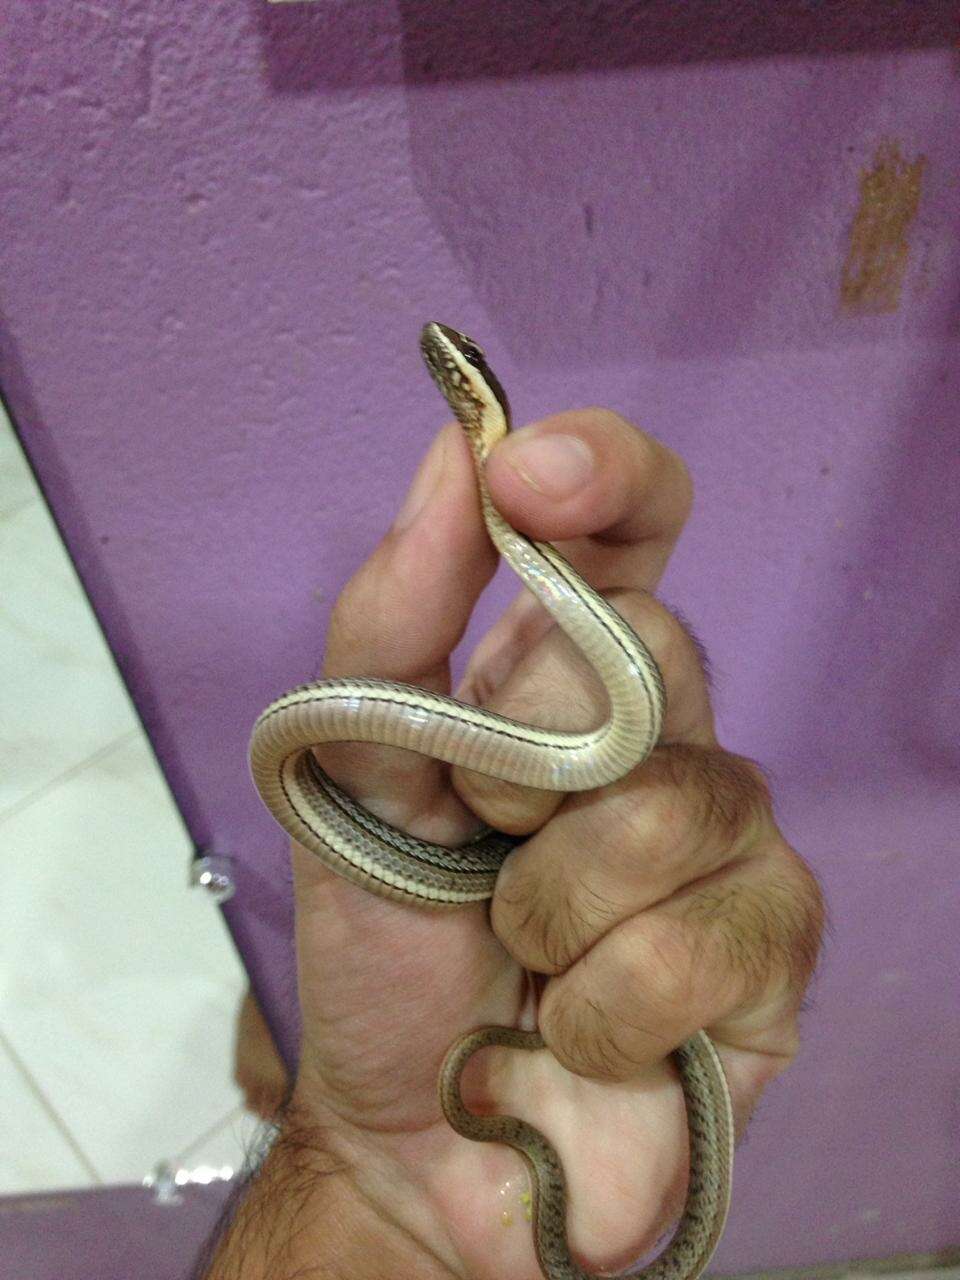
{"x": 60, "y": 696}
{"x": 17, "y": 486}
{"x": 119, "y": 986}
{"x": 37, "y": 1156}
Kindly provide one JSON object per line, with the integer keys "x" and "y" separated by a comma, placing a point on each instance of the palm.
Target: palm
{"x": 395, "y": 984}
{"x": 392, "y": 986}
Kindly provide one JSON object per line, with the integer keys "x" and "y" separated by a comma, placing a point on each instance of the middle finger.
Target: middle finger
{"x": 689, "y": 813}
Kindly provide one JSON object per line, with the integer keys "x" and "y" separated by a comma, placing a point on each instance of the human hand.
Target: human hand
{"x": 655, "y": 906}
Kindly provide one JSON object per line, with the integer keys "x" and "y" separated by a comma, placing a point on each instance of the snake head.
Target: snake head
{"x": 469, "y": 386}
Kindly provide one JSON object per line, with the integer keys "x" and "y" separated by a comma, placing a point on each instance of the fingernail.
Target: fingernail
{"x": 424, "y": 483}
{"x": 556, "y": 466}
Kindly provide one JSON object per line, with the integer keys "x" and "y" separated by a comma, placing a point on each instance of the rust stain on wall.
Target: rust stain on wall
{"x": 879, "y": 249}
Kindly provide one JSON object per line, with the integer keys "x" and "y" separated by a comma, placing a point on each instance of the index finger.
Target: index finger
{"x": 615, "y": 496}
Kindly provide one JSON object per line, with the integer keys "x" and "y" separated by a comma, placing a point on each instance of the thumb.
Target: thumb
{"x": 405, "y": 609}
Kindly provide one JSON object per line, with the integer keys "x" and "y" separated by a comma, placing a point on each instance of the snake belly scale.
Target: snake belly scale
{"x": 386, "y": 861}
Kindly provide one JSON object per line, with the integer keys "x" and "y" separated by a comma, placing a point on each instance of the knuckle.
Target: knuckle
{"x": 642, "y": 822}
{"x": 548, "y": 923}
{"x": 732, "y": 803}
{"x": 725, "y": 795}
{"x": 802, "y": 901}
{"x": 528, "y": 923}
{"x": 767, "y": 925}
{"x": 612, "y": 1031}
{"x": 659, "y": 965}
{"x": 660, "y": 814}
{"x": 758, "y": 937}
{"x": 581, "y": 1035}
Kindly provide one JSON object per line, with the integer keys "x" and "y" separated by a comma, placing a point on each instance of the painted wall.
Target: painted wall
{"x": 112, "y": 1233}
{"x": 212, "y": 213}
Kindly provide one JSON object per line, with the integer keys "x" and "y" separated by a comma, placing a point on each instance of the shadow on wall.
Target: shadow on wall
{"x": 706, "y": 209}
{"x": 701, "y": 209}
{"x": 310, "y": 47}
{"x": 698, "y": 213}
{"x": 676, "y": 215}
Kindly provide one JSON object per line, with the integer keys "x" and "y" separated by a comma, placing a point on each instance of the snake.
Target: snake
{"x": 387, "y": 861}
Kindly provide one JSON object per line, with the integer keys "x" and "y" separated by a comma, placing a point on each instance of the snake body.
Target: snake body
{"x": 384, "y": 860}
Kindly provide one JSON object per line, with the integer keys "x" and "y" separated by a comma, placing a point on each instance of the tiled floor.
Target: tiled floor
{"x": 119, "y": 985}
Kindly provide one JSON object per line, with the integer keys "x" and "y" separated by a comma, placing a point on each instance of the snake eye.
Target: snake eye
{"x": 472, "y": 354}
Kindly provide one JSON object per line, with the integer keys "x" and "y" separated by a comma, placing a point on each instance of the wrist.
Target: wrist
{"x": 333, "y": 1204}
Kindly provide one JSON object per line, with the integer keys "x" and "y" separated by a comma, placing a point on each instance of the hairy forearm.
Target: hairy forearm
{"x": 303, "y": 1214}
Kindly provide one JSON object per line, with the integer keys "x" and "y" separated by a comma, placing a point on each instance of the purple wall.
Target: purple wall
{"x": 212, "y": 212}
{"x": 110, "y": 1233}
